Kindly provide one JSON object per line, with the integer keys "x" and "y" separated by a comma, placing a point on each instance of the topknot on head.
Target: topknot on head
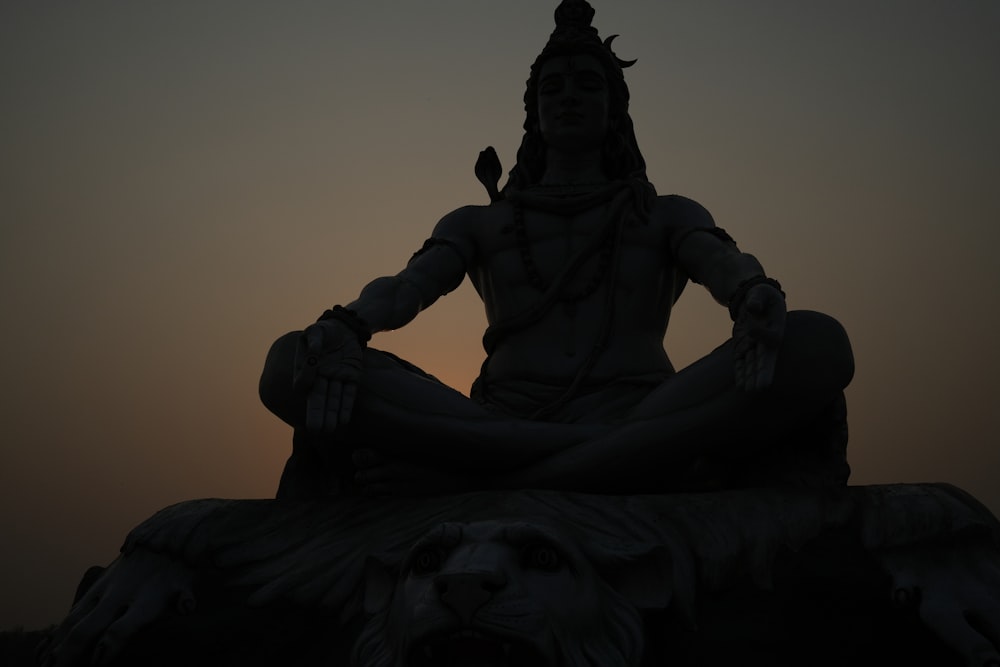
{"x": 575, "y": 15}
{"x": 574, "y": 29}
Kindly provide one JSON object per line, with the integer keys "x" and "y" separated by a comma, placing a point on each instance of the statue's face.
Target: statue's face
{"x": 573, "y": 102}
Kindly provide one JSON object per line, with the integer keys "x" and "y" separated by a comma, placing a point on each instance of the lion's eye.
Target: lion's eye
{"x": 426, "y": 561}
{"x": 542, "y": 557}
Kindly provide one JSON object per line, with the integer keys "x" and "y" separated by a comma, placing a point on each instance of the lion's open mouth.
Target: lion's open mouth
{"x": 470, "y": 648}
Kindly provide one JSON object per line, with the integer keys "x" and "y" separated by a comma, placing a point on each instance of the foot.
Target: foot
{"x": 379, "y": 475}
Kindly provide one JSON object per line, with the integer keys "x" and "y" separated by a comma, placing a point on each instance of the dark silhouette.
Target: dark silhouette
{"x": 578, "y": 263}
{"x": 866, "y": 576}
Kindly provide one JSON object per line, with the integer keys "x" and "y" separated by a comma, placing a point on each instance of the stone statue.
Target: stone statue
{"x": 496, "y": 592}
{"x": 533, "y": 548}
{"x": 578, "y": 263}
{"x": 899, "y": 574}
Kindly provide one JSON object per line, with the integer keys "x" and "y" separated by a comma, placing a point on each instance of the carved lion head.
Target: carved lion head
{"x": 504, "y": 594}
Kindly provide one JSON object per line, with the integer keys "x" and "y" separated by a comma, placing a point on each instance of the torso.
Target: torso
{"x": 553, "y": 349}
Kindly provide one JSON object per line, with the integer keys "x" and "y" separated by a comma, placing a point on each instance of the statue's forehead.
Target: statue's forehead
{"x": 570, "y": 63}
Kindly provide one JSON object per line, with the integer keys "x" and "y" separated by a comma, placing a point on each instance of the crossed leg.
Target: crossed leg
{"x": 412, "y": 418}
{"x": 420, "y": 425}
{"x": 700, "y": 414}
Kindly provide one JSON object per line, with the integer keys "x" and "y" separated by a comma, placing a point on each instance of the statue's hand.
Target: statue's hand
{"x": 328, "y": 365}
{"x": 956, "y": 590}
{"x": 134, "y": 591}
{"x": 757, "y": 334}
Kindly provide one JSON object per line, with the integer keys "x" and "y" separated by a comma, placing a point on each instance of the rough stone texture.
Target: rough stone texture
{"x": 759, "y": 576}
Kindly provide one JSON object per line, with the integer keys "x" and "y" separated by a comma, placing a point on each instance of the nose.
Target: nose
{"x": 569, "y": 97}
{"x": 466, "y": 592}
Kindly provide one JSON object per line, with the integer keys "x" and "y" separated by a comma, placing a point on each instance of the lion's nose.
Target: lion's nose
{"x": 466, "y": 592}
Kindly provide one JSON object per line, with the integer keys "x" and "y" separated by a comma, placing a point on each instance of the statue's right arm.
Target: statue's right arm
{"x": 391, "y": 302}
{"x": 329, "y": 360}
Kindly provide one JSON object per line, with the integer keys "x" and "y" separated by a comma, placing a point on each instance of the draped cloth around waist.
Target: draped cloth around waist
{"x": 595, "y": 402}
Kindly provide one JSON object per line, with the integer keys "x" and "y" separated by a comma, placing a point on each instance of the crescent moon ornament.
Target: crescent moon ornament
{"x": 621, "y": 63}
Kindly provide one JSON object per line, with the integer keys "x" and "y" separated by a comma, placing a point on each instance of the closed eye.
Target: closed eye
{"x": 551, "y": 84}
{"x": 590, "y": 81}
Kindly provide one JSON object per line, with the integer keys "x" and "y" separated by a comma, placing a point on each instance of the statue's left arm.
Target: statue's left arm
{"x": 736, "y": 280}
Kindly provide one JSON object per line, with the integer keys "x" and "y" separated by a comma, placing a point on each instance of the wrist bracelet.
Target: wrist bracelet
{"x": 736, "y": 300}
{"x": 351, "y": 320}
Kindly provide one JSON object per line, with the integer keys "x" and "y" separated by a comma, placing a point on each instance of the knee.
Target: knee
{"x": 275, "y": 386}
{"x": 817, "y": 350}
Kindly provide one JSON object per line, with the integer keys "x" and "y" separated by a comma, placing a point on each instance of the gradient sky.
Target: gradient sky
{"x": 182, "y": 182}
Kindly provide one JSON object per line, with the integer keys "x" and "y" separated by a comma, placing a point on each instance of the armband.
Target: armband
{"x": 717, "y": 232}
{"x": 434, "y": 241}
{"x": 456, "y": 249}
{"x": 351, "y": 320}
{"x": 736, "y": 300}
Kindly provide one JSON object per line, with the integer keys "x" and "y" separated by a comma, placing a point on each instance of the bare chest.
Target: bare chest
{"x": 522, "y": 251}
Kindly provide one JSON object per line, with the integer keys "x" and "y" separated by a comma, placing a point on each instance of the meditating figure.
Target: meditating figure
{"x": 578, "y": 262}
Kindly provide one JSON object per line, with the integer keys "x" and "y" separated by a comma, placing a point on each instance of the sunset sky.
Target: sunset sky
{"x": 182, "y": 182}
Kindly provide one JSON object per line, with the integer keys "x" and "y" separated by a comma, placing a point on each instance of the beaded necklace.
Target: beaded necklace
{"x": 535, "y": 278}
{"x": 604, "y": 244}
